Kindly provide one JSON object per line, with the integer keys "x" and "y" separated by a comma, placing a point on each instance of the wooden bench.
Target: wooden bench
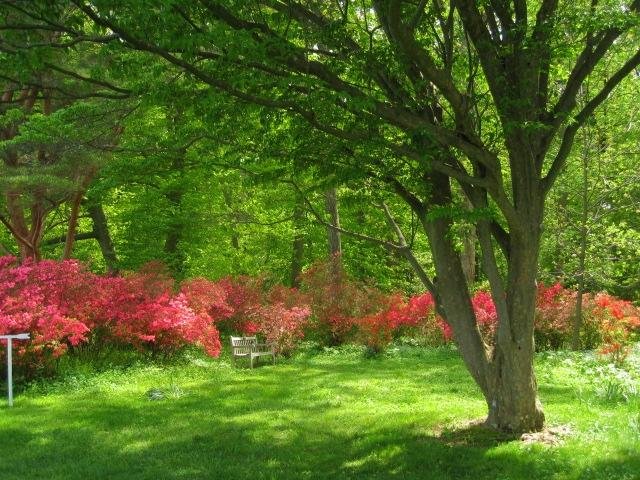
{"x": 248, "y": 347}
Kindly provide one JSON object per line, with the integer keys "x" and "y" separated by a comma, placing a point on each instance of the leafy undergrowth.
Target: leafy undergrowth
{"x": 334, "y": 415}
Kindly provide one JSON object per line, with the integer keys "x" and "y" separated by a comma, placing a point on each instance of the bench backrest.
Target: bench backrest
{"x": 241, "y": 345}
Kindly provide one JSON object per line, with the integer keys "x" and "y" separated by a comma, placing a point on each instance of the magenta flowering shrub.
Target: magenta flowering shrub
{"x": 62, "y": 305}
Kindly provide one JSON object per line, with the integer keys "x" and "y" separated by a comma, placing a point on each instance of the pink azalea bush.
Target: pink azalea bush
{"x": 63, "y": 306}
{"x": 337, "y": 302}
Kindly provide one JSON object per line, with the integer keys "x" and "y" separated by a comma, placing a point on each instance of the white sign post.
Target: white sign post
{"x": 10, "y": 338}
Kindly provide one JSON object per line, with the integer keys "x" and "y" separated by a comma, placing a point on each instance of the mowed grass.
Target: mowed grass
{"x": 335, "y": 415}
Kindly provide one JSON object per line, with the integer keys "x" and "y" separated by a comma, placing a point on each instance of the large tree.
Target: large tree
{"x": 428, "y": 94}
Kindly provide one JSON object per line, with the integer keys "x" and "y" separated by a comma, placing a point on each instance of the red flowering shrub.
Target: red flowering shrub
{"x": 205, "y": 296}
{"x": 376, "y": 330}
{"x": 619, "y": 322}
{"x": 244, "y": 305}
{"x": 243, "y": 295}
{"x": 415, "y": 316}
{"x": 607, "y": 320}
{"x": 282, "y": 326}
{"x": 337, "y": 302}
{"x": 555, "y": 311}
{"x": 50, "y": 300}
{"x": 485, "y": 312}
{"x": 280, "y": 316}
{"x": 62, "y": 305}
{"x": 141, "y": 309}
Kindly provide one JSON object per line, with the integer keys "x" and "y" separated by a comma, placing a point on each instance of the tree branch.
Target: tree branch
{"x": 579, "y": 120}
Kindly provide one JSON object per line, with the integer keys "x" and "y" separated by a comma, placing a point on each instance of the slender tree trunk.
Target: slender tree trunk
{"x": 228, "y": 201}
{"x": 73, "y": 226}
{"x": 297, "y": 258}
{"x": 175, "y": 231}
{"x": 172, "y": 248}
{"x": 102, "y": 235}
{"x": 333, "y": 235}
{"x": 334, "y": 242}
{"x": 584, "y": 240}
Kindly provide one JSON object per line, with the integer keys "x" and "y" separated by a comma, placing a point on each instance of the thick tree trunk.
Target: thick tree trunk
{"x": 513, "y": 400}
{"x": 102, "y": 235}
{"x": 451, "y": 284}
{"x": 505, "y": 373}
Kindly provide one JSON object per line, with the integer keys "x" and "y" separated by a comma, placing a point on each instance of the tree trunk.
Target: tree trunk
{"x": 333, "y": 236}
{"x": 26, "y": 239}
{"x": 297, "y": 259}
{"x": 175, "y": 256}
{"x": 582, "y": 252}
{"x": 451, "y": 284}
{"x": 334, "y": 242}
{"x": 73, "y": 226}
{"x": 513, "y": 399}
{"x": 468, "y": 255}
{"x": 102, "y": 235}
{"x": 229, "y": 202}
{"x": 505, "y": 373}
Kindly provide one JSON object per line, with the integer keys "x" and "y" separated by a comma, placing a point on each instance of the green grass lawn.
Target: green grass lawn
{"x": 332, "y": 415}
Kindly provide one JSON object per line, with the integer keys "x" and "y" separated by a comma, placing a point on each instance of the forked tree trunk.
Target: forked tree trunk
{"x": 504, "y": 373}
{"x": 28, "y": 238}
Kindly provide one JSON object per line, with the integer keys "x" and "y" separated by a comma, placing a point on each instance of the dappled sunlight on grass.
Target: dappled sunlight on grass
{"x": 312, "y": 417}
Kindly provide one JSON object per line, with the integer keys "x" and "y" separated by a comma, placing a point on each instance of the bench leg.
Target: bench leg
{"x": 251, "y": 360}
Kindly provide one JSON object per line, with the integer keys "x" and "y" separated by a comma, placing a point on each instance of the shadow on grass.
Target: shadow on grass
{"x": 313, "y": 419}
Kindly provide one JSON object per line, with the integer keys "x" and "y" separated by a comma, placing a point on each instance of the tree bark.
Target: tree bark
{"x": 102, "y": 235}
{"x": 334, "y": 242}
{"x": 513, "y": 400}
{"x": 469, "y": 240}
{"x": 297, "y": 258}
{"x": 505, "y": 372}
{"x": 175, "y": 230}
{"x": 584, "y": 230}
{"x": 73, "y": 226}
{"x": 229, "y": 202}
